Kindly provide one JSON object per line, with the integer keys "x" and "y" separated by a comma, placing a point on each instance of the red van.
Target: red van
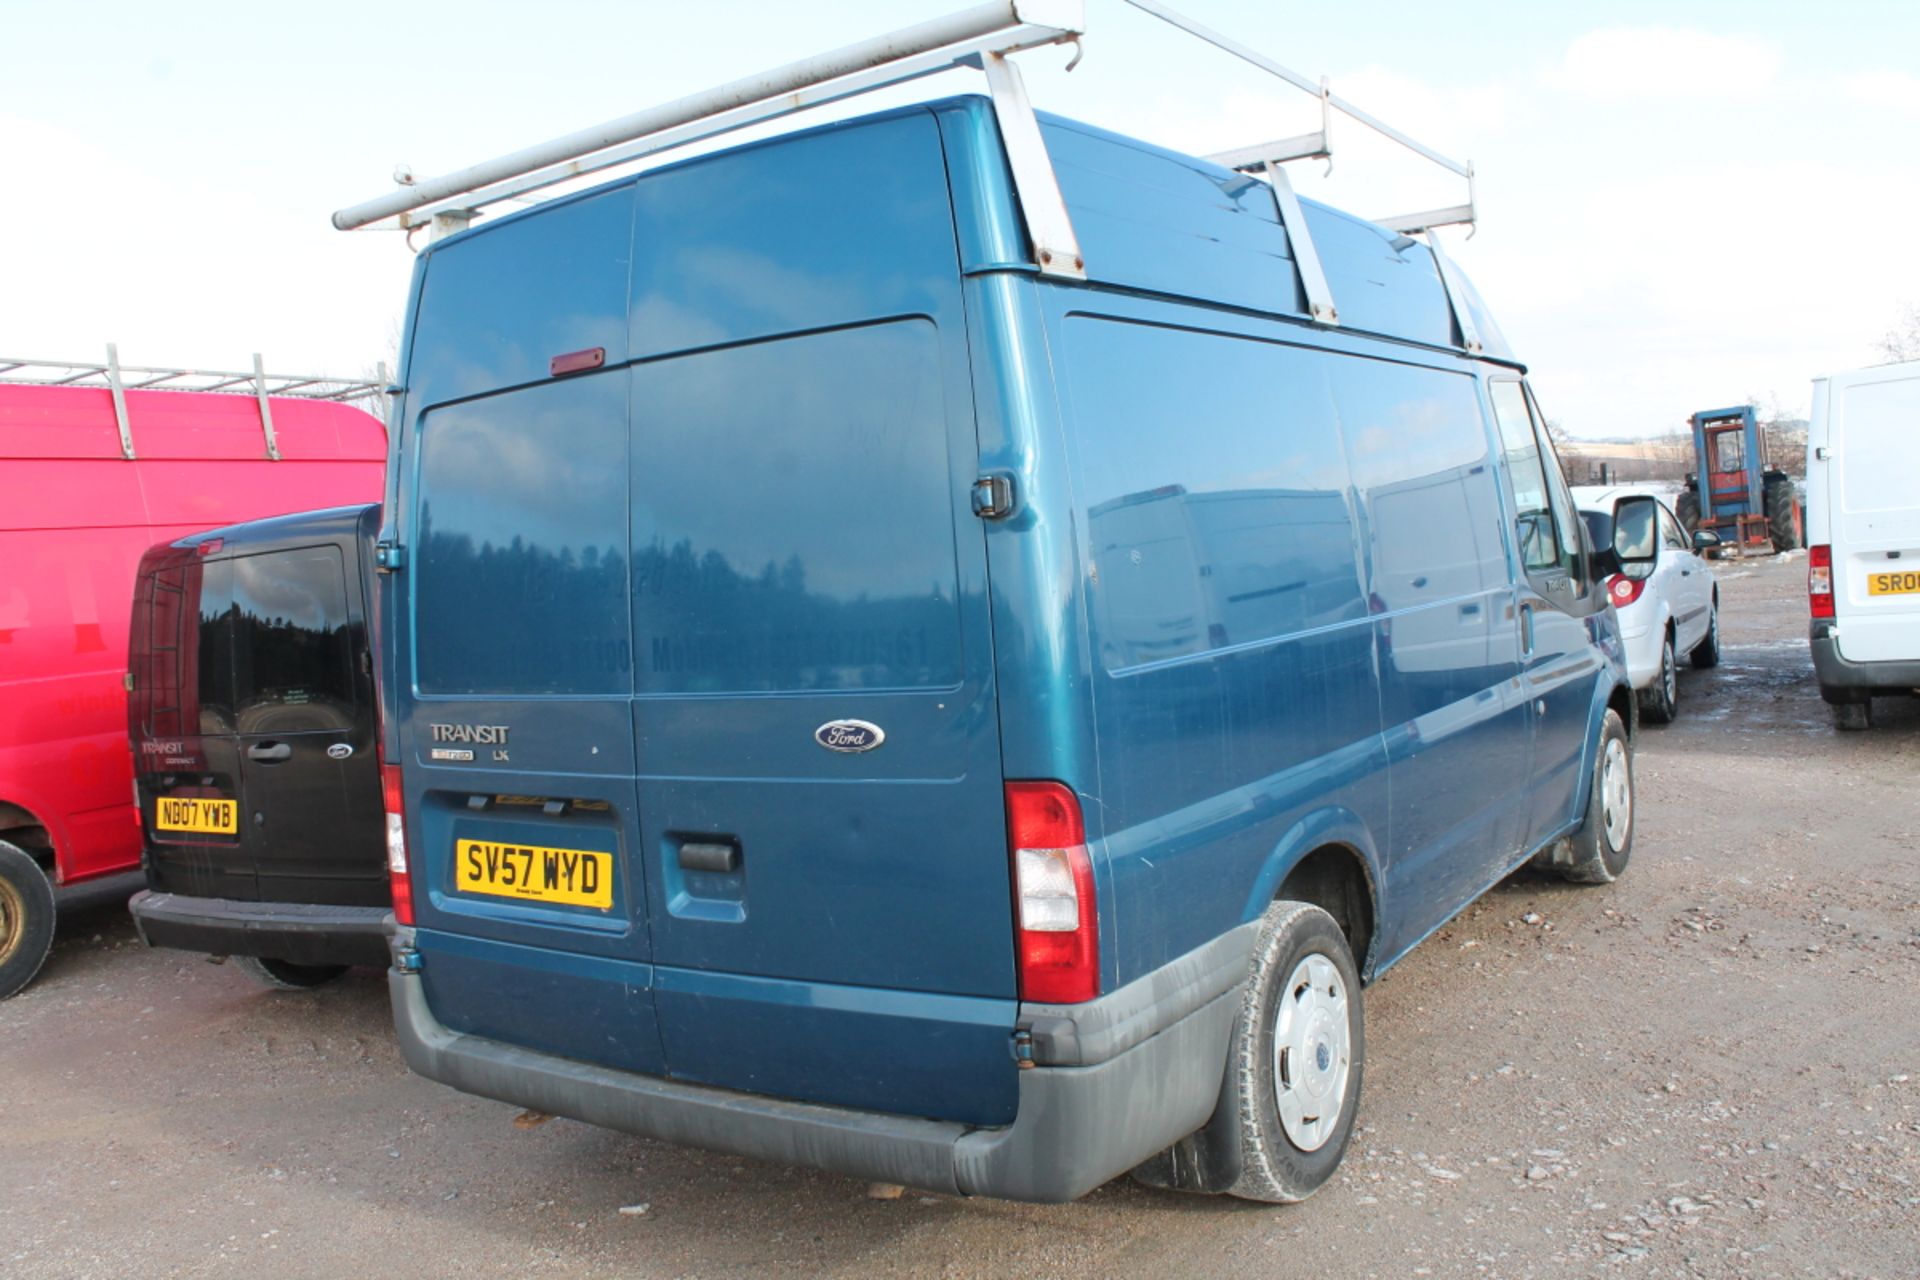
{"x": 98, "y": 463}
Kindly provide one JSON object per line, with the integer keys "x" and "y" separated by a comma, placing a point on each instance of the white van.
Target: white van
{"x": 1863, "y": 537}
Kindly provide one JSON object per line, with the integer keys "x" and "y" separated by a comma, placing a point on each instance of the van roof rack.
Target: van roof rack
{"x": 983, "y": 38}
{"x": 111, "y": 375}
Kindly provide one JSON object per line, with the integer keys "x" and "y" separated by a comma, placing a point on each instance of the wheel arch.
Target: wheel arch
{"x": 21, "y": 827}
{"x": 1327, "y": 859}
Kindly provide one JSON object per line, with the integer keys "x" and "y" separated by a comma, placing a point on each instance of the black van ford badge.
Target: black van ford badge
{"x": 849, "y": 735}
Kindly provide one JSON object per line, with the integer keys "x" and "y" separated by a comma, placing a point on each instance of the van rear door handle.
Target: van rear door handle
{"x": 270, "y": 752}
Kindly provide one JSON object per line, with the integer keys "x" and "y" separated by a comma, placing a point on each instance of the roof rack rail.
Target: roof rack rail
{"x": 983, "y": 38}
{"x": 111, "y": 375}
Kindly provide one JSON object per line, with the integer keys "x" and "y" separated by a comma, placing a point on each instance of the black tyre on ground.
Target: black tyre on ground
{"x": 284, "y": 975}
{"x": 1298, "y": 1055}
{"x": 26, "y": 918}
{"x": 1598, "y": 852}
{"x": 1687, "y": 507}
{"x": 1707, "y": 652}
{"x": 1659, "y": 700}
{"x": 1782, "y": 506}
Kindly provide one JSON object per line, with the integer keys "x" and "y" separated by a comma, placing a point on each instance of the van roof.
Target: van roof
{"x": 1155, "y": 220}
{"x": 298, "y": 529}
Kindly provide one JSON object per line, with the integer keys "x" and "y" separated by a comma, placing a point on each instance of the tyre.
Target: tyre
{"x": 1782, "y": 507}
{"x": 26, "y": 918}
{"x": 1707, "y": 652}
{"x": 1659, "y": 699}
{"x": 1299, "y": 1052}
{"x": 284, "y": 975}
{"x": 1687, "y": 507}
{"x": 1853, "y": 716}
{"x": 1597, "y": 853}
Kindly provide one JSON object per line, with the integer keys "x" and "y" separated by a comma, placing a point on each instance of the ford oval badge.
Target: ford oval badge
{"x": 849, "y": 735}
{"x": 339, "y": 751}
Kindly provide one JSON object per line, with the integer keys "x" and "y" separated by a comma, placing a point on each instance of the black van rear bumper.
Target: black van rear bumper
{"x": 1838, "y": 676}
{"x": 299, "y": 932}
{"x": 1077, "y": 1126}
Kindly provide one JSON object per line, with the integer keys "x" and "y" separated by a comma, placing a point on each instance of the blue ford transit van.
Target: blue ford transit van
{"x": 857, "y": 700}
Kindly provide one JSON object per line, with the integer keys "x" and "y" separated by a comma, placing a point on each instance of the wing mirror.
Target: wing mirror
{"x": 1635, "y": 530}
{"x": 1705, "y": 540}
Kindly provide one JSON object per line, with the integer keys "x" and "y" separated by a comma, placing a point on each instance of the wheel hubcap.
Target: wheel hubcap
{"x": 1312, "y": 1052}
{"x": 13, "y": 921}
{"x": 1669, "y": 676}
{"x": 1616, "y": 792}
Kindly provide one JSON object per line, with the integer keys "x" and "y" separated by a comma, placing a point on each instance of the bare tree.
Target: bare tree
{"x": 1902, "y": 341}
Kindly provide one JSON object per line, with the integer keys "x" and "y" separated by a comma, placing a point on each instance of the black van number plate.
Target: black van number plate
{"x": 198, "y": 814}
{"x": 571, "y": 877}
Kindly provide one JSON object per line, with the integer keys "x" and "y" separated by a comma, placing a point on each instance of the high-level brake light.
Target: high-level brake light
{"x": 1056, "y": 917}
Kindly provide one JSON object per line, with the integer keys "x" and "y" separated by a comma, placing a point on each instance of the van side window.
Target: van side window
{"x": 793, "y": 516}
{"x": 1196, "y": 541}
{"x": 1526, "y": 479}
{"x": 292, "y": 647}
{"x": 1418, "y": 448}
{"x": 1572, "y": 551}
{"x": 1549, "y": 540}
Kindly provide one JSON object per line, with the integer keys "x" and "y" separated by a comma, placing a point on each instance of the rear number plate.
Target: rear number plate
{"x": 572, "y": 877}
{"x": 214, "y": 817}
{"x": 1893, "y": 584}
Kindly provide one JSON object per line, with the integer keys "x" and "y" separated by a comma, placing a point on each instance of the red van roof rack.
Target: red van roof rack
{"x": 111, "y": 375}
{"x": 982, "y": 38}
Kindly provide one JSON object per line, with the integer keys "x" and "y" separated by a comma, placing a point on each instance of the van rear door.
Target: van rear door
{"x": 1873, "y": 439}
{"x": 187, "y": 773}
{"x": 303, "y": 720}
{"x": 821, "y": 803}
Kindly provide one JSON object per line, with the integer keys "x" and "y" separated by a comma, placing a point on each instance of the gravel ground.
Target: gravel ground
{"x": 1711, "y": 1068}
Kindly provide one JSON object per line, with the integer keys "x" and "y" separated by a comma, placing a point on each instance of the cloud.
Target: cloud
{"x": 1894, "y": 89}
{"x": 1667, "y": 60}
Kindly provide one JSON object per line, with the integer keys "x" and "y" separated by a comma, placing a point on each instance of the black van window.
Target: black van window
{"x": 521, "y": 578}
{"x": 211, "y": 689}
{"x": 1198, "y": 542}
{"x": 793, "y": 516}
{"x": 292, "y": 645}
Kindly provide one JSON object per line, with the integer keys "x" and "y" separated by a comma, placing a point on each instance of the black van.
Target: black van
{"x": 254, "y": 725}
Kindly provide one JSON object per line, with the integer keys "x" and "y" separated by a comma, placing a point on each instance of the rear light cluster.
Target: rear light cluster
{"x": 1623, "y": 590}
{"x": 397, "y": 875}
{"x": 1820, "y": 581}
{"x": 1056, "y": 916}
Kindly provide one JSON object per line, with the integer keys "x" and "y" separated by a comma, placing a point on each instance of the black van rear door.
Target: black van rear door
{"x": 303, "y": 720}
{"x": 187, "y": 767}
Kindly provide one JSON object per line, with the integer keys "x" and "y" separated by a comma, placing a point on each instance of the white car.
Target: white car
{"x": 1669, "y": 608}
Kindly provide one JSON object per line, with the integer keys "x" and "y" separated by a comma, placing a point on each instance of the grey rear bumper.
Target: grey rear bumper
{"x": 1839, "y": 677}
{"x": 298, "y": 932}
{"x": 1077, "y": 1126}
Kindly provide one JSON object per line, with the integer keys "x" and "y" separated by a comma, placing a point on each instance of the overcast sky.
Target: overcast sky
{"x": 1683, "y": 204}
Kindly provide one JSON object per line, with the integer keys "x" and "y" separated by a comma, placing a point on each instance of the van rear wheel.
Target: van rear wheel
{"x": 284, "y": 975}
{"x": 1597, "y": 853}
{"x": 26, "y": 918}
{"x": 1299, "y": 1051}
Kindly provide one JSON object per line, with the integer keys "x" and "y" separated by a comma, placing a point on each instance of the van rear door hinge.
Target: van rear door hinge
{"x": 993, "y": 496}
{"x": 388, "y": 556}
